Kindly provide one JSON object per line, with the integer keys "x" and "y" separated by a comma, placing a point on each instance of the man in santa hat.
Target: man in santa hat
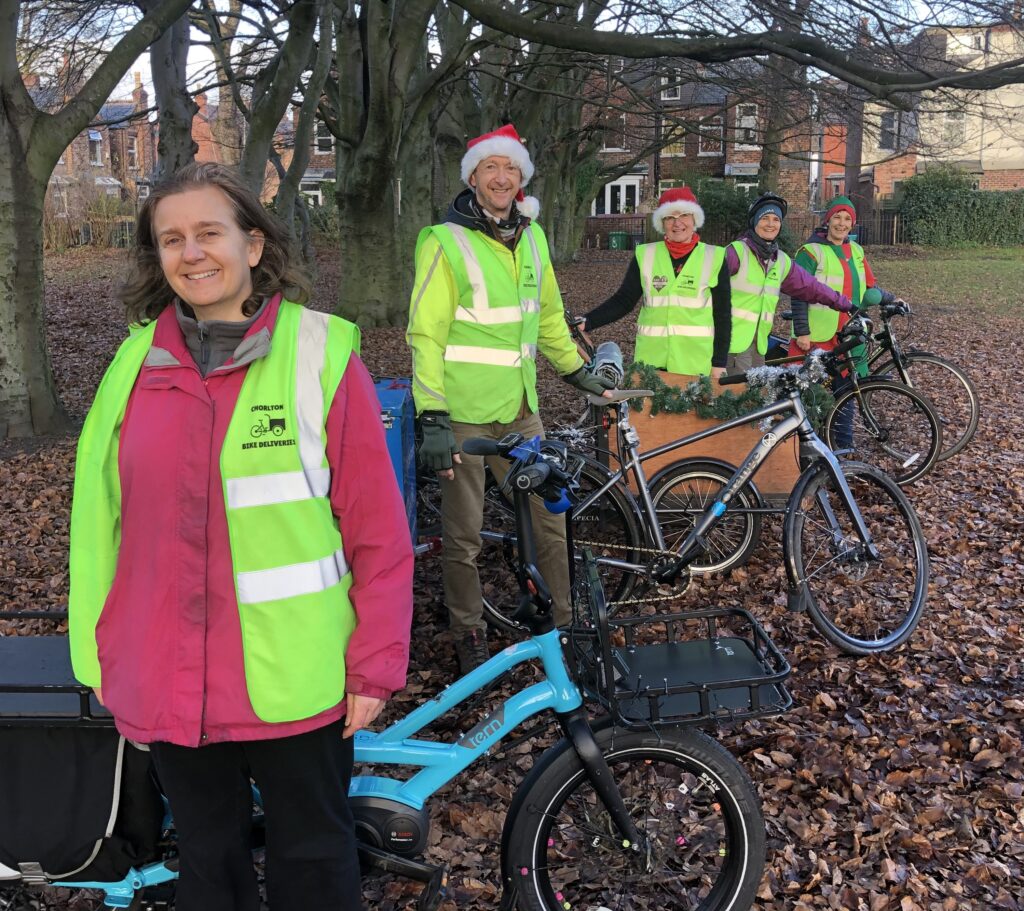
{"x": 485, "y": 301}
{"x": 685, "y": 322}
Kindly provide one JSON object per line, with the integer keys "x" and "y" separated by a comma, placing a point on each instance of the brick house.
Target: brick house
{"x": 981, "y": 133}
{"x": 716, "y": 117}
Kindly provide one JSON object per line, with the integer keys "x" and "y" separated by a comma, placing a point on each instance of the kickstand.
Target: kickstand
{"x": 435, "y": 879}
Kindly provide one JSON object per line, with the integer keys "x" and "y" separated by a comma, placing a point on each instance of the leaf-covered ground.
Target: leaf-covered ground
{"x": 895, "y": 782}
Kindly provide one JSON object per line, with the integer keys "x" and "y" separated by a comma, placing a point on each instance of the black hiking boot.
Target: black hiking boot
{"x": 471, "y": 650}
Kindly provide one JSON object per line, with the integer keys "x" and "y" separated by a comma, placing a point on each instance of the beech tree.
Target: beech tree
{"x": 31, "y": 141}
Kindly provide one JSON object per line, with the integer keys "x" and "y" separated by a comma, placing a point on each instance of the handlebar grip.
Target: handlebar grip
{"x": 481, "y": 447}
{"x": 532, "y": 476}
{"x": 732, "y": 379}
{"x": 848, "y": 345}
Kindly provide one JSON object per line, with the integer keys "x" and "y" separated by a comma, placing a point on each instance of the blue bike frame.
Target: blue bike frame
{"x": 438, "y": 763}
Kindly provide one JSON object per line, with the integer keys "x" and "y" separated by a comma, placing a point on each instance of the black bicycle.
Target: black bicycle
{"x": 947, "y": 386}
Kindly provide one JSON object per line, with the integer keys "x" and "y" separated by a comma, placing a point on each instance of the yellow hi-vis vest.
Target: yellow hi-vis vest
{"x": 291, "y": 577}
{"x": 490, "y": 357}
{"x": 822, "y": 320}
{"x": 755, "y": 295}
{"x": 676, "y": 327}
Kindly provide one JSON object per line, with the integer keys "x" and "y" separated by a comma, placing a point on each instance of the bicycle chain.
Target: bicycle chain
{"x": 644, "y": 550}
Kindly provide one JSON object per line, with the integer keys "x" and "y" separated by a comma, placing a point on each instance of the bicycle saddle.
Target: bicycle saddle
{"x": 618, "y": 395}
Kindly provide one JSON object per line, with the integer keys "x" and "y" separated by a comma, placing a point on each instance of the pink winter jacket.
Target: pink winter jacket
{"x": 169, "y": 636}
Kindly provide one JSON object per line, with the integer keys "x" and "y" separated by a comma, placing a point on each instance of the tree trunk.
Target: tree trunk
{"x": 169, "y": 57}
{"x": 28, "y": 400}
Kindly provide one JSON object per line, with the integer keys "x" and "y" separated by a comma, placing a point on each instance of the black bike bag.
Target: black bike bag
{"x": 78, "y": 802}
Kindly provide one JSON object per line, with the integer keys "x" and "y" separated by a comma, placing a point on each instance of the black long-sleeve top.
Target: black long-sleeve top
{"x": 631, "y": 290}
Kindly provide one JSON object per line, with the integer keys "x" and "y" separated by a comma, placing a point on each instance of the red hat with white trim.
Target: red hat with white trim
{"x": 504, "y": 142}
{"x": 677, "y": 201}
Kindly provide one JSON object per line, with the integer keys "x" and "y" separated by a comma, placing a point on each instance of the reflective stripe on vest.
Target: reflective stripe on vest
{"x": 755, "y": 295}
{"x": 675, "y": 328}
{"x": 822, "y": 320}
{"x": 491, "y": 350}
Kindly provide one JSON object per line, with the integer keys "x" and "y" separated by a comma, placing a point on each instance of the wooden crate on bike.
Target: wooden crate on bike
{"x": 776, "y": 477}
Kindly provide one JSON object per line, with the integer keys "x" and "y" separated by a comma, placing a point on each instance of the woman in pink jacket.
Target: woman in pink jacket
{"x": 241, "y": 567}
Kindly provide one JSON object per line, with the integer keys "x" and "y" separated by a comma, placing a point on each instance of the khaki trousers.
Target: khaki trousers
{"x": 462, "y": 506}
{"x": 745, "y": 360}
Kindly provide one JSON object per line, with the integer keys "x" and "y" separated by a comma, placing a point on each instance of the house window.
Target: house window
{"x": 311, "y": 190}
{"x": 677, "y": 148}
{"x": 95, "y": 147}
{"x": 664, "y": 185}
{"x": 324, "y": 138}
{"x": 131, "y": 153}
{"x": 615, "y": 133}
{"x": 889, "y": 132}
{"x": 671, "y": 90}
{"x": 620, "y": 197}
{"x": 142, "y": 191}
{"x": 955, "y": 128}
{"x": 710, "y": 137}
{"x": 746, "y": 126}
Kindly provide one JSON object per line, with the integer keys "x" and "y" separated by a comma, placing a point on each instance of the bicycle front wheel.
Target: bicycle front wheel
{"x": 894, "y": 428}
{"x": 692, "y": 802}
{"x": 860, "y": 604}
{"x": 951, "y": 393}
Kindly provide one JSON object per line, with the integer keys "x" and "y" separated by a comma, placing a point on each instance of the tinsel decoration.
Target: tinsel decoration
{"x": 763, "y": 387}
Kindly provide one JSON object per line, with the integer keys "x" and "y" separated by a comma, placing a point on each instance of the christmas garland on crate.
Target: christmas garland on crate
{"x": 699, "y": 396}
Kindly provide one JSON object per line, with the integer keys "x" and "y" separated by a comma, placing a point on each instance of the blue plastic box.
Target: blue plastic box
{"x": 398, "y": 414}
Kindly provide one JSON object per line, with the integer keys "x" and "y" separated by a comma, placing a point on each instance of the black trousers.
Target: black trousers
{"x": 311, "y": 859}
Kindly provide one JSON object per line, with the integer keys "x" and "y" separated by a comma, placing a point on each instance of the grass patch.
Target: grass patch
{"x": 981, "y": 280}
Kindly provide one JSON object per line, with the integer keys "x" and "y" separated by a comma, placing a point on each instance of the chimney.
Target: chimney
{"x": 139, "y": 94}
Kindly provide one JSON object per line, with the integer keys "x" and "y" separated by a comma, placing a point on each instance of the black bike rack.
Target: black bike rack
{"x": 38, "y": 688}
{"x": 706, "y": 667}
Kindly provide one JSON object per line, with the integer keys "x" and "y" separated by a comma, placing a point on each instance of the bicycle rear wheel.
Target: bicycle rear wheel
{"x": 608, "y": 525}
{"x": 951, "y": 393}
{"x": 895, "y": 428}
{"x": 683, "y": 493}
{"x": 860, "y": 605}
{"x": 690, "y": 799}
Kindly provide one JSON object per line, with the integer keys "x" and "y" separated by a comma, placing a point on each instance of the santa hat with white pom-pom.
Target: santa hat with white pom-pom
{"x": 505, "y": 142}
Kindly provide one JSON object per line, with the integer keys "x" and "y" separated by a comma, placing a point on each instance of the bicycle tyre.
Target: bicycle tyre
{"x": 610, "y": 519}
{"x": 704, "y": 480}
{"x": 909, "y": 436}
{"x": 562, "y": 850}
{"x": 951, "y": 393}
{"x": 861, "y": 607}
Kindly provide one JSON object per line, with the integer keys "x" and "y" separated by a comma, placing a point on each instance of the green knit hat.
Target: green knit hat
{"x": 840, "y": 204}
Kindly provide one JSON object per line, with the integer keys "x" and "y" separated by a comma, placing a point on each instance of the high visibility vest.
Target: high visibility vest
{"x": 490, "y": 358}
{"x": 676, "y": 327}
{"x": 755, "y": 295}
{"x": 291, "y": 578}
{"x": 822, "y": 320}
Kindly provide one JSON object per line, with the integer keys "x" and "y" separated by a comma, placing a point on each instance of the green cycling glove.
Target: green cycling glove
{"x": 438, "y": 443}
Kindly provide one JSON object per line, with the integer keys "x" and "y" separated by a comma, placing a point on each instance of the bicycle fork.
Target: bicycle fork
{"x": 577, "y": 729}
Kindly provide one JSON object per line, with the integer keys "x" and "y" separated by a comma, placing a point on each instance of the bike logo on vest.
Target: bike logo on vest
{"x": 687, "y": 281}
{"x": 659, "y": 282}
{"x": 266, "y": 426}
{"x": 529, "y": 279}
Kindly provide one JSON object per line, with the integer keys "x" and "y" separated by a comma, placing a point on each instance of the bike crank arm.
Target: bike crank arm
{"x": 435, "y": 879}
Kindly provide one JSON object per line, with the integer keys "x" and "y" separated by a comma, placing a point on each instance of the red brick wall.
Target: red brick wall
{"x": 889, "y": 172}
{"x": 1002, "y": 180}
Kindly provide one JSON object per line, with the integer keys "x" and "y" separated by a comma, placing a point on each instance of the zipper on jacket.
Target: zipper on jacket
{"x": 204, "y": 348}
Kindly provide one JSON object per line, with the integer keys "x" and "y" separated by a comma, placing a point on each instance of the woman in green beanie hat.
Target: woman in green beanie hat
{"x": 838, "y": 262}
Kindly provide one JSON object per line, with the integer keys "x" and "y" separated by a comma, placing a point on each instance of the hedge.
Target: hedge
{"x": 941, "y": 209}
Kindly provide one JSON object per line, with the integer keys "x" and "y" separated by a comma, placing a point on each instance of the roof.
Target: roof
{"x": 114, "y": 115}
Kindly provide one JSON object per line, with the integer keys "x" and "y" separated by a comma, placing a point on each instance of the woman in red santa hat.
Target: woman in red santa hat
{"x": 686, "y": 318}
